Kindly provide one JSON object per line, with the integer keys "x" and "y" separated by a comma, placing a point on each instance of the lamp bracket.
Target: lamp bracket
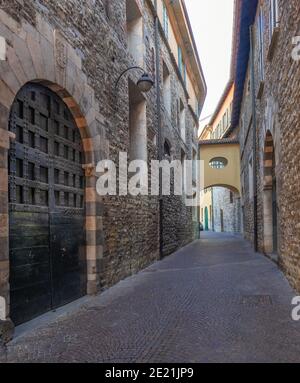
{"x": 125, "y": 71}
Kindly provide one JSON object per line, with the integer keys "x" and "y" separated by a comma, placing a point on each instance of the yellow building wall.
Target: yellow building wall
{"x": 192, "y": 94}
{"x": 223, "y": 109}
{"x": 229, "y": 176}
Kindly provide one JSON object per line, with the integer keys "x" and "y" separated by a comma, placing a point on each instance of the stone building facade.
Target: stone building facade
{"x": 266, "y": 110}
{"x": 74, "y": 52}
{"x": 227, "y": 211}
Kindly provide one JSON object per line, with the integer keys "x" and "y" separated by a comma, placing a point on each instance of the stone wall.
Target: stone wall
{"x": 288, "y": 141}
{"x": 78, "y": 49}
{"x": 230, "y": 205}
{"x": 278, "y": 138}
{"x": 246, "y": 143}
{"x": 177, "y": 218}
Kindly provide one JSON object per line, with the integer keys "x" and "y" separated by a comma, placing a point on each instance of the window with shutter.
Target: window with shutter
{"x": 180, "y": 59}
{"x": 165, "y": 21}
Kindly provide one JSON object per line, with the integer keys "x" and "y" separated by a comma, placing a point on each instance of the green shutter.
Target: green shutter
{"x": 180, "y": 59}
{"x": 165, "y": 21}
{"x": 181, "y": 65}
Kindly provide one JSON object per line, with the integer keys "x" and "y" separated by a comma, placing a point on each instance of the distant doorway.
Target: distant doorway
{"x": 206, "y": 219}
{"x": 222, "y": 220}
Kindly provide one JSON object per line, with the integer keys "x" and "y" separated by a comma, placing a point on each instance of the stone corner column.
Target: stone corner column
{"x": 7, "y": 329}
{"x": 6, "y": 325}
{"x": 94, "y": 231}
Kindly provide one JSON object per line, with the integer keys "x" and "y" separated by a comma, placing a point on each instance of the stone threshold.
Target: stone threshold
{"x": 50, "y": 317}
{"x": 273, "y": 257}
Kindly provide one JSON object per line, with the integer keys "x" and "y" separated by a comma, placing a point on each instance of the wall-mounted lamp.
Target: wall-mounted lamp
{"x": 144, "y": 84}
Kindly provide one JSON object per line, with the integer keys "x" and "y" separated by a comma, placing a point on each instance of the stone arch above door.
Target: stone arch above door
{"x": 269, "y": 159}
{"x": 47, "y": 251}
{"x": 43, "y": 56}
{"x": 271, "y": 126}
{"x": 232, "y": 188}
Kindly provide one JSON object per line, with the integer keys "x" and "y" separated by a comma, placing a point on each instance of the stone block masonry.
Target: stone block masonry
{"x": 227, "y": 211}
{"x": 277, "y": 141}
{"x": 78, "y": 49}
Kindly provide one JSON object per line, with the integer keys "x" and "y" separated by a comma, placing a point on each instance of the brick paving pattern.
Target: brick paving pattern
{"x": 213, "y": 301}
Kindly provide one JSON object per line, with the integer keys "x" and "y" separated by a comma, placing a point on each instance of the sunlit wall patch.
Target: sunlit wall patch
{"x": 2, "y": 309}
{"x": 2, "y": 48}
{"x": 296, "y": 50}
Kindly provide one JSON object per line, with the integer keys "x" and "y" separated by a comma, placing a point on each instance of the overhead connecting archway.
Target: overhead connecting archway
{"x": 221, "y": 184}
{"x": 221, "y": 164}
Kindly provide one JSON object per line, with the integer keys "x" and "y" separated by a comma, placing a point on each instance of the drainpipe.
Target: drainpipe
{"x": 254, "y": 139}
{"x": 159, "y": 128}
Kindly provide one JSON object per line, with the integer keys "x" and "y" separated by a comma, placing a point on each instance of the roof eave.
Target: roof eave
{"x": 181, "y": 13}
{"x": 245, "y": 11}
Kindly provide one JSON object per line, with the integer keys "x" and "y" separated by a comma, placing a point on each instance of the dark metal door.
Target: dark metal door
{"x": 46, "y": 191}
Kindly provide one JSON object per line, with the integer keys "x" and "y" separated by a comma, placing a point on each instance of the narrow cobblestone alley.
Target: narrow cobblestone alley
{"x": 213, "y": 301}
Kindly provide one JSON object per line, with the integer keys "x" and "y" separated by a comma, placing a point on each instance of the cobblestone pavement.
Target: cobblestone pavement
{"x": 214, "y": 301}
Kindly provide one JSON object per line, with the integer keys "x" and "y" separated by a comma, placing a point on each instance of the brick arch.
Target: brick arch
{"x": 229, "y": 187}
{"x": 93, "y": 204}
{"x": 269, "y": 192}
{"x": 271, "y": 127}
{"x": 41, "y": 54}
{"x": 269, "y": 159}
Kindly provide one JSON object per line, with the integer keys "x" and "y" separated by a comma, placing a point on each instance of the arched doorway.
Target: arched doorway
{"x": 222, "y": 220}
{"x": 206, "y": 219}
{"x": 226, "y": 209}
{"x": 270, "y": 197}
{"x": 46, "y": 205}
